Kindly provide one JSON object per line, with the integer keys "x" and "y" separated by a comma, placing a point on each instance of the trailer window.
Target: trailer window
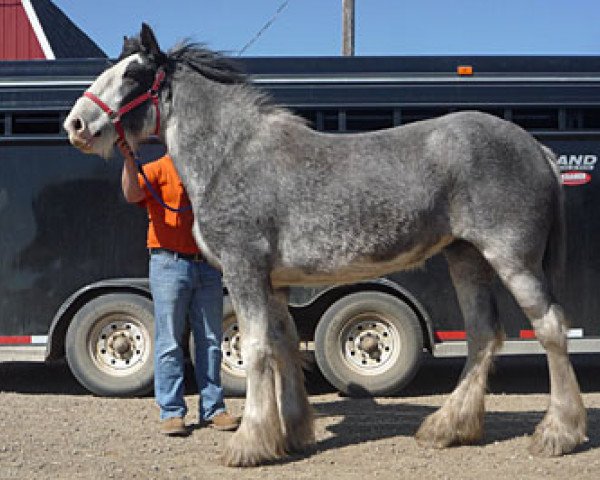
{"x": 536, "y": 118}
{"x": 309, "y": 115}
{"x": 591, "y": 118}
{"x": 496, "y": 112}
{"x": 331, "y": 121}
{"x": 363, "y": 120}
{"x": 409, "y": 115}
{"x": 583, "y": 119}
{"x": 2, "y": 123}
{"x": 27, "y": 123}
{"x": 367, "y": 120}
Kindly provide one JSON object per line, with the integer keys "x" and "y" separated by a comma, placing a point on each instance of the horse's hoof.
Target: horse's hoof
{"x": 247, "y": 457}
{"x": 552, "y": 439}
{"x": 435, "y": 432}
{"x": 299, "y": 443}
{"x": 300, "y": 434}
{"x": 442, "y": 429}
{"x": 248, "y": 451}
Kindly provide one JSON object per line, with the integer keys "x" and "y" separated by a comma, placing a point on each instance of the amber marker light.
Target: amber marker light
{"x": 464, "y": 70}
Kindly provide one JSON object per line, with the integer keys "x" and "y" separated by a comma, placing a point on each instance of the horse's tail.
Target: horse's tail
{"x": 554, "y": 261}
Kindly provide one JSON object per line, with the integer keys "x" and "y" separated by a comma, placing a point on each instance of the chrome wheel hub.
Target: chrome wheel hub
{"x": 231, "y": 346}
{"x": 370, "y": 343}
{"x": 119, "y": 344}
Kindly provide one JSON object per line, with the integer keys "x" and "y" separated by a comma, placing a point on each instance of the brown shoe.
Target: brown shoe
{"x": 224, "y": 421}
{"x": 173, "y": 427}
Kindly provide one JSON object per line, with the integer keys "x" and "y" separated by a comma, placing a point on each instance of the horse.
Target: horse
{"x": 277, "y": 203}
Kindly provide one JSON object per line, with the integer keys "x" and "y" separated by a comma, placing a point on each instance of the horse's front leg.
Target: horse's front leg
{"x": 276, "y": 417}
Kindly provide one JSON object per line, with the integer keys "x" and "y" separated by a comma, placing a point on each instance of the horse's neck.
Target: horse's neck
{"x": 194, "y": 170}
{"x": 206, "y": 135}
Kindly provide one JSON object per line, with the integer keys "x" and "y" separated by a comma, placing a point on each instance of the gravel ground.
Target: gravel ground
{"x": 50, "y": 428}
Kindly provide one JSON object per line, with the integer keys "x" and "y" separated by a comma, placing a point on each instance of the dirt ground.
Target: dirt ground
{"x": 51, "y": 428}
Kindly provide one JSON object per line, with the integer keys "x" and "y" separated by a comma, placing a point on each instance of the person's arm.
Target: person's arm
{"x": 129, "y": 182}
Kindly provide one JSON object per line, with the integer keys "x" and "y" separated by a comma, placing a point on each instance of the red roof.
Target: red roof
{"x": 38, "y": 29}
{"x": 18, "y": 40}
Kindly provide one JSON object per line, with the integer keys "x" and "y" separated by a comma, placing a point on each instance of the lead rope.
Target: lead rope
{"x": 127, "y": 152}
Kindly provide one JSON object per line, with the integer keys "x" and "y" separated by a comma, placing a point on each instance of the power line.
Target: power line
{"x": 265, "y": 26}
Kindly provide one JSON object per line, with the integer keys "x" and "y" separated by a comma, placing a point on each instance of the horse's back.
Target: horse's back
{"x": 395, "y": 197}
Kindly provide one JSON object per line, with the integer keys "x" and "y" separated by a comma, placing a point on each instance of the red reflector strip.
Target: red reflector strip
{"x": 526, "y": 334}
{"x": 25, "y": 339}
{"x": 450, "y": 335}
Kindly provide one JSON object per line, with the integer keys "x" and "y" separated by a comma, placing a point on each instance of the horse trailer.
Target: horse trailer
{"x": 73, "y": 266}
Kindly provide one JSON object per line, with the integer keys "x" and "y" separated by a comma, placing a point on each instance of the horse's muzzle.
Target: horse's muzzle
{"x": 85, "y": 145}
{"x": 79, "y": 136}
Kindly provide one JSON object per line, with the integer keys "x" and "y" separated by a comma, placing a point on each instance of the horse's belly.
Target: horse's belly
{"x": 359, "y": 269}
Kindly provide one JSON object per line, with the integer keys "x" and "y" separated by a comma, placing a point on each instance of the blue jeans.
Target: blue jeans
{"x": 185, "y": 289}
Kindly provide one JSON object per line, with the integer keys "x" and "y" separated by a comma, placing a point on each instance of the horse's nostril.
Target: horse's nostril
{"x": 77, "y": 124}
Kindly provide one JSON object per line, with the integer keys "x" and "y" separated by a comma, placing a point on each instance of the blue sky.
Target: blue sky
{"x": 383, "y": 27}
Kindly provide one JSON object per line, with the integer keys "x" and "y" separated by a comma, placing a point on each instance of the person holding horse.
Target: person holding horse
{"x": 183, "y": 286}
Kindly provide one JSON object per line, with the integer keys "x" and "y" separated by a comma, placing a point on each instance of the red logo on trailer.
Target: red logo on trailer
{"x": 574, "y": 178}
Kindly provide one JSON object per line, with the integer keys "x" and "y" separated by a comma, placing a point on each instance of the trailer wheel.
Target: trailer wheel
{"x": 369, "y": 343}
{"x": 109, "y": 345}
{"x": 233, "y": 370}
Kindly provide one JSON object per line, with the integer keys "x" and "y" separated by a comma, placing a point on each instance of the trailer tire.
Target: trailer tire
{"x": 233, "y": 370}
{"x": 110, "y": 344}
{"x": 369, "y": 343}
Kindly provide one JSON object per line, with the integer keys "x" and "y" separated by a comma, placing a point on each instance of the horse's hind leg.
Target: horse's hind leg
{"x": 295, "y": 413}
{"x": 277, "y": 417}
{"x": 564, "y": 425}
{"x": 460, "y": 419}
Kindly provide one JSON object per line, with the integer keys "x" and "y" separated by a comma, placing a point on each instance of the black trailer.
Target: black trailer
{"x": 73, "y": 265}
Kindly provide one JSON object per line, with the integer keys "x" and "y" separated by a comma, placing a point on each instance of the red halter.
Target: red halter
{"x": 125, "y": 148}
{"x": 115, "y": 117}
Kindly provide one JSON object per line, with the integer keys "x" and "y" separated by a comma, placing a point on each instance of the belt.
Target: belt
{"x": 192, "y": 257}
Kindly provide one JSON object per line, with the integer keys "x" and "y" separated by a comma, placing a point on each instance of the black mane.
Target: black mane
{"x": 212, "y": 65}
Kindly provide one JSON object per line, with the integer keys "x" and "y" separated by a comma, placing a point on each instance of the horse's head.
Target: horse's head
{"x": 92, "y": 125}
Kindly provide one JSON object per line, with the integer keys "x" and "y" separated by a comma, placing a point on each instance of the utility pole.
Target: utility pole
{"x": 348, "y": 27}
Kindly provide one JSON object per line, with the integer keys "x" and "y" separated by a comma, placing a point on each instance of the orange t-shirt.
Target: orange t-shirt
{"x": 167, "y": 229}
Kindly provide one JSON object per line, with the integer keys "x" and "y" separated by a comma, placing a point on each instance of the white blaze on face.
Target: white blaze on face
{"x": 88, "y": 126}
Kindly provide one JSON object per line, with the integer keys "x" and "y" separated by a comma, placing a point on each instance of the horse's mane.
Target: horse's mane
{"x": 217, "y": 67}
{"x": 213, "y": 65}
{"x": 195, "y": 57}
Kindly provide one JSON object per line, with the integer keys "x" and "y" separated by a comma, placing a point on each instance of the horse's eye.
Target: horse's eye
{"x": 129, "y": 75}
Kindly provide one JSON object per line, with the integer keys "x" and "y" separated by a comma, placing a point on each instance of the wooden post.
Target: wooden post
{"x": 348, "y": 27}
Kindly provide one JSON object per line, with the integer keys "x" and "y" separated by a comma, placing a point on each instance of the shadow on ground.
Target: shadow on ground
{"x": 362, "y": 420}
{"x": 518, "y": 375}
{"x": 365, "y": 420}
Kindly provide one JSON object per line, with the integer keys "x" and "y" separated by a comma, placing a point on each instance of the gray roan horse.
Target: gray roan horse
{"x": 279, "y": 204}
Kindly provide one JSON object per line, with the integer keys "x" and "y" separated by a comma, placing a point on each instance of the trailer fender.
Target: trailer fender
{"x": 301, "y": 297}
{"x": 55, "y": 347}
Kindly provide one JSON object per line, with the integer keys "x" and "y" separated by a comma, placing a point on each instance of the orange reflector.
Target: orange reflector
{"x": 464, "y": 70}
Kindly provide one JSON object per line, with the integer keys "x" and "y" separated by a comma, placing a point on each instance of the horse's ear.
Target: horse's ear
{"x": 148, "y": 40}
{"x": 131, "y": 45}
